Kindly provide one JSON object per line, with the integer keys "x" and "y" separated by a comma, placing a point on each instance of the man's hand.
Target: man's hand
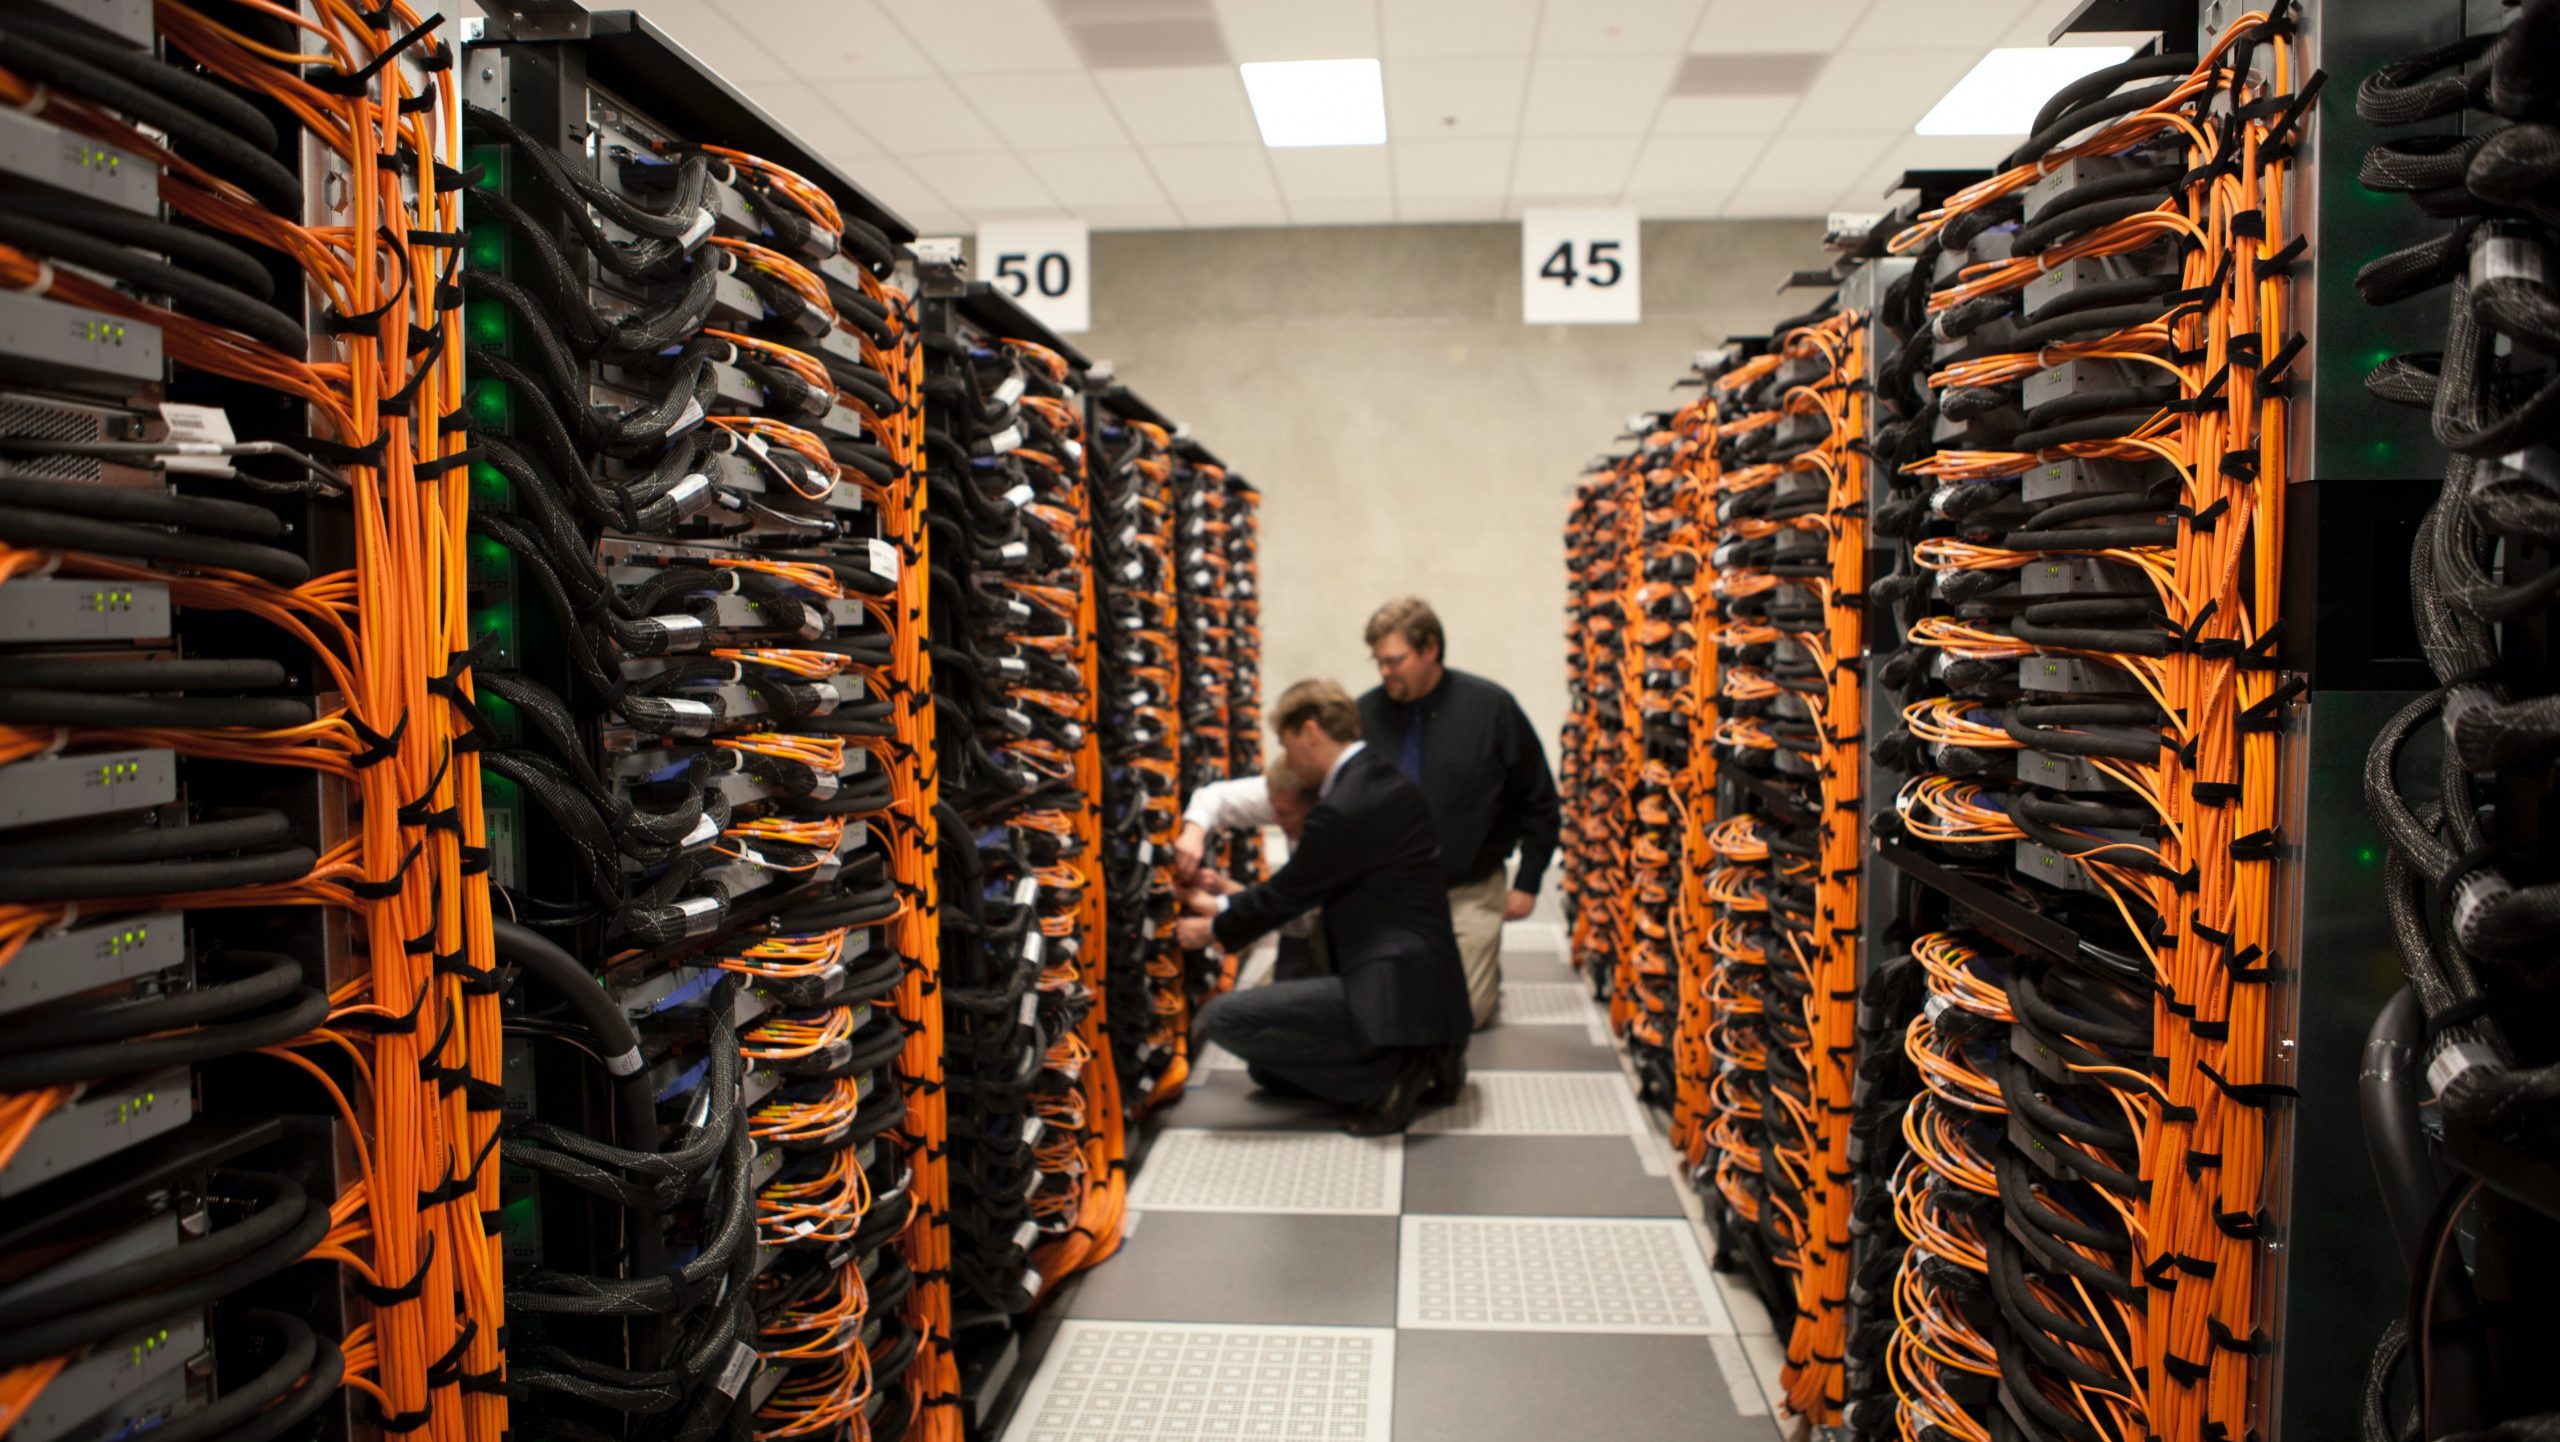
{"x": 1517, "y": 905}
{"x": 1218, "y": 883}
{"x": 1199, "y": 903}
{"x": 1193, "y": 933}
{"x": 1188, "y": 849}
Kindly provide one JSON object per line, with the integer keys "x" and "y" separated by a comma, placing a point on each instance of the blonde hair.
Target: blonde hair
{"x": 1282, "y": 777}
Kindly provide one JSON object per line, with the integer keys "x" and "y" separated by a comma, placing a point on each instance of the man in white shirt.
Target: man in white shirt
{"x": 1275, "y": 798}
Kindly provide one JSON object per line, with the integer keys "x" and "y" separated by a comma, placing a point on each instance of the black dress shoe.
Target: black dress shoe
{"x": 1393, "y": 1112}
{"x": 1448, "y": 1075}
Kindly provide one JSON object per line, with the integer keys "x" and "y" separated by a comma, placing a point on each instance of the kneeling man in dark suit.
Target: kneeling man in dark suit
{"x": 1387, "y": 1032}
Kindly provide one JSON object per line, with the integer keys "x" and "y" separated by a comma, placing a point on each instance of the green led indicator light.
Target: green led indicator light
{"x": 485, "y": 322}
{"x": 490, "y": 405}
{"x": 2368, "y": 856}
{"x": 490, "y": 487}
{"x": 486, "y": 248}
{"x": 490, "y": 558}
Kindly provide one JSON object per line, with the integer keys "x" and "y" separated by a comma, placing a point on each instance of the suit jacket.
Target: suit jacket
{"x": 1368, "y": 857}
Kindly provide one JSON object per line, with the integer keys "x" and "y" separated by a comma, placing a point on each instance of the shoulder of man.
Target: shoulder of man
{"x": 1469, "y": 683}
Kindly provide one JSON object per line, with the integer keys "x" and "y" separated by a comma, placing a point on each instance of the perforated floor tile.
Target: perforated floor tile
{"x": 1539, "y": 1103}
{"x": 1214, "y": 1057}
{"x": 1204, "y": 1171}
{"x": 1544, "y": 1003}
{"x": 1554, "y": 1274}
{"x": 1111, "y": 1381}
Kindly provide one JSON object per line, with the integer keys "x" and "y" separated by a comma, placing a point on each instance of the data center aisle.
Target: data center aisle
{"x": 1518, "y": 1268}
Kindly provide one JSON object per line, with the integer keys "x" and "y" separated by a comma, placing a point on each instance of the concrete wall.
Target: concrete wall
{"x": 1407, "y": 431}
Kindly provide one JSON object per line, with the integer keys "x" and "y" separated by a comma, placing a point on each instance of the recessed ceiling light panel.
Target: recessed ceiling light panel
{"x": 1317, "y": 102}
{"x": 2001, "y": 94}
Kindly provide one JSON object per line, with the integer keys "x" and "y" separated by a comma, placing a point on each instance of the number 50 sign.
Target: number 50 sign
{"x": 1042, "y": 264}
{"x": 1580, "y": 267}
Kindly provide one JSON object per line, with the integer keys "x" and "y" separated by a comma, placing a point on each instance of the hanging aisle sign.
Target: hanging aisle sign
{"x": 1580, "y": 267}
{"x": 1043, "y": 264}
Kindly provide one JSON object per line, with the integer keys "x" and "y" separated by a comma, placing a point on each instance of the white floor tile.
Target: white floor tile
{"x": 1540, "y": 1103}
{"x": 1174, "y": 1382}
{"x": 1545, "y": 1003}
{"x": 1555, "y": 1274}
{"x": 1211, "y": 1171}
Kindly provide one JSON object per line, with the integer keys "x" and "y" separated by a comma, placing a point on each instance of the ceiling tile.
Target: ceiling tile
{"x": 1693, "y": 164}
{"x": 1879, "y": 93}
{"x": 1705, "y": 205}
{"x": 1453, "y": 169}
{"x": 1181, "y": 105}
{"x": 1616, "y": 27}
{"x": 941, "y": 222}
{"x": 1424, "y": 28}
{"x": 1971, "y": 25}
{"x": 1572, "y": 169}
{"x": 806, "y": 112}
{"x": 1723, "y": 114}
{"x": 1299, "y": 29}
{"x": 1096, "y": 178}
{"x": 1821, "y": 163}
{"x": 1234, "y": 214}
{"x": 706, "y": 30}
{"x": 1380, "y": 211}
{"x": 1132, "y": 217}
{"x": 1061, "y": 108}
{"x": 901, "y": 189}
{"x": 985, "y": 37}
{"x": 1140, "y": 44}
{"x": 1333, "y": 172}
{"x": 1732, "y": 26}
{"x": 1455, "y": 97}
{"x": 986, "y": 180}
{"x": 1429, "y": 208}
{"x": 1595, "y": 95}
{"x": 1214, "y": 175}
{"x": 830, "y": 39}
{"x": 1749, "y": 203}
{"x": 921, "y": 117}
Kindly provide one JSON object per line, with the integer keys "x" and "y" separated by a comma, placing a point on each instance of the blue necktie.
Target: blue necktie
{"x": 1411, "y": 761}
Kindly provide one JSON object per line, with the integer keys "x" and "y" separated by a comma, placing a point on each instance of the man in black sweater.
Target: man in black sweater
{"x": 1387, "y": 1032}
{"x": 1480, "y": 765}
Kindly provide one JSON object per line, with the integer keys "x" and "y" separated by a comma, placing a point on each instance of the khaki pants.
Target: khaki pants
{"x": 1475, "y": 912}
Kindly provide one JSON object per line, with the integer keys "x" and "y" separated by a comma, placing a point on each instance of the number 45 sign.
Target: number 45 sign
{"x": 1580, "y": 267}
{"x": 1042, "y": 265}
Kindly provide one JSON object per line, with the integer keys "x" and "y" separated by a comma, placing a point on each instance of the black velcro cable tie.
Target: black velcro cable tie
{"x": 446, "y": 1371}
{"x": 2281, "y": 263}
{"x": 2242, "y": 1226}
{"x": 379, "y": 746}
{"x": 2249, "y": 225}
{"x": 2198, "y": 1161}
{"x": 2253, "y": 1345}
{"x": 2476, "y": 859}
{"x": 361, "y": 322}
{"x": 421, "y": 103}
{"x": 2170, "y": 1113}
{"x": 2183, "y": 1370}
{"x": 2201, "y": 1268}
{"x": 340, "y": 454}
{"x": 2254, "y": 1095}
{"x": 2257, "y": 845}
{"x": 432, "y": 469}
{"x": 389, "y": 886}
{"x": 440, "y": 239}
{"x": 2162, "y": 1273}
{"x": 2213, "y": 793}
{"x": 475, "y": 860}
{"x": 402, "y": 1423}
{"x": 405, "y": 1024}
{"x": 354, "y": 83}
{"x": 408, "y": 1291}
{"x": 475, "y": 981}
{"x": 399, "y": 401}
{"x": 2209, "y": 1030}
{"x": 449, "y": 179}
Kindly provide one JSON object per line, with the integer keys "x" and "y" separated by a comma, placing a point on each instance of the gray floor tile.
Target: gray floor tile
{"x": 1537, "y": 1387}
{"x": 1531, "y": 1177}
{"x": 1537, "y": 1048}
{"x": 1273, "y": 1268}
